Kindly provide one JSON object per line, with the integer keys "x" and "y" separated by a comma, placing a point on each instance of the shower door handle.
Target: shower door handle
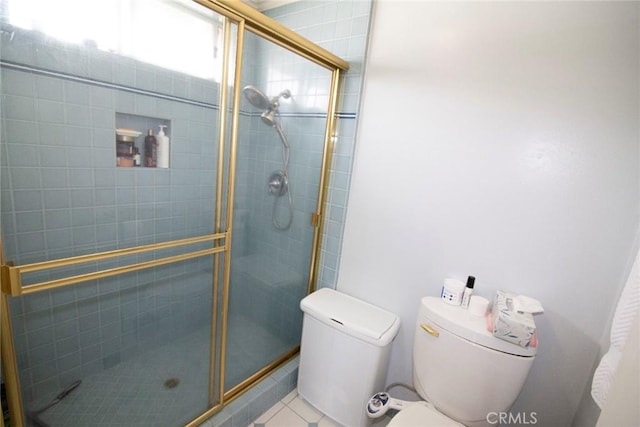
{"x": 315, "y": 219}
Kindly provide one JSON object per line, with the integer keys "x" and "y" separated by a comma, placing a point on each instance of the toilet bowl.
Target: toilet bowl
{"x": 463, "y": 371}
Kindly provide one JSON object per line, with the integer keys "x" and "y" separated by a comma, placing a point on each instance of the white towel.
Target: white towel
{"x": 623, "y": 318}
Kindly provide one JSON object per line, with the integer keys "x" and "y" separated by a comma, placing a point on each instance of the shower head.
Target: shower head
{"x": 269, "y": 117}
{"x": 257, "y": 98}
{"x": 260, "y": 100}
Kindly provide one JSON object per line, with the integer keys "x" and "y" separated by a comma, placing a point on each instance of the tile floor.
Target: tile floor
{"x": 293, "y": 411}
{"x": 133, "y": 393}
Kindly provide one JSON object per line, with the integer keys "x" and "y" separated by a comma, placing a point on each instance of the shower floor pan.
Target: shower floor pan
{"x": 165, "y": 387}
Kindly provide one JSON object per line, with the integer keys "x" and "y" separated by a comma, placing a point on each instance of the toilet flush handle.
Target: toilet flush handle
{"x": 430, "y": 330}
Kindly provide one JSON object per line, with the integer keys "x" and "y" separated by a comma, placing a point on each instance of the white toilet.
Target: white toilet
{"x": 463, "y": 372}
{"x": 467, "y": 375}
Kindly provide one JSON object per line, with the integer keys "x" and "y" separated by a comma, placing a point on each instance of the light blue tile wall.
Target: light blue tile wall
{"x": 341, "y": 27}
{"x": 270, "y": 266}
{"x": 62, "y": 195}
{"x": 52, "y": 120}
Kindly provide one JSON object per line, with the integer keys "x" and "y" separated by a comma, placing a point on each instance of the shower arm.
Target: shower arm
{"x": 275, "y": 101}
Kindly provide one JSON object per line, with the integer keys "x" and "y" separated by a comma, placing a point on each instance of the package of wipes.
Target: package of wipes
{"x": 510, "y": 324}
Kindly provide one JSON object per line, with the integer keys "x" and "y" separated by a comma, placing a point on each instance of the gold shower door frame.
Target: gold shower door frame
{"x": 244, "y": 18}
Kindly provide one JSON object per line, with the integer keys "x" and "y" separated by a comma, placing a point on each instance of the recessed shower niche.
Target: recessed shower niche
{"x": 142, "y": 141}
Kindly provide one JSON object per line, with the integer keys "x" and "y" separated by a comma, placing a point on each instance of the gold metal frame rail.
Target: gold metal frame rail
{"x": 12, "y": 275}
{"x": 272, "y": 30}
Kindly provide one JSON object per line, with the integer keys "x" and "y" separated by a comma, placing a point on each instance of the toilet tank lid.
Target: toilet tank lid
{"x": 352, "y": 316}
{"x": 473, "y": 328}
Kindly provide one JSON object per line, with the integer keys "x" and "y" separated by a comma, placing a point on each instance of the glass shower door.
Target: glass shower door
{"x": 133, "y": 346}
{"x": 116, "y": 248}
{"x": 281, "y": 138}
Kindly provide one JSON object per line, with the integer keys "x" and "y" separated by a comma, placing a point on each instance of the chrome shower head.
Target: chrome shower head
{"x": 270, "y": 107}
{"x": 256, "y": 97}
{"x": 269, "y": 117}
{"x": 261, "y": 101}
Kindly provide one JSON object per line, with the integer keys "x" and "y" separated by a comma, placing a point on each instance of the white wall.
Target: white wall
{"x": 500, "y": 140}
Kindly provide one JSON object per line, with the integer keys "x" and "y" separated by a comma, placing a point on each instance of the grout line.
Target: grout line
{"x": 118, "y": 86}
{"x": 95, "y": 82}
{"x": 285, "y": 402}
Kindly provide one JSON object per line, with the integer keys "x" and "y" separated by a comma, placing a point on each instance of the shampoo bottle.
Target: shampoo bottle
{"x": 468, "y": 290}
{"x": 163, "y": 148}
{"x": 150, "y": 150}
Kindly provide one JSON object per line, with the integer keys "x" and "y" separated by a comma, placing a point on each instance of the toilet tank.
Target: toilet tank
{"x": 344, "y": 354}
{"x": 461, "y": 368}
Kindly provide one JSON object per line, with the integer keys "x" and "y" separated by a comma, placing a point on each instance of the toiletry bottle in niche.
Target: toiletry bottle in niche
{"x": 163, "y": 148}
{"x": 468, "y": 290}
{"x": 136, "y": 157}
{"x": 150, "y": 150}
{"x": 124, "y": 150}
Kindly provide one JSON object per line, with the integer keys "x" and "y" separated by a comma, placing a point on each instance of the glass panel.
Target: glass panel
{"x": 137, "y": 345}
{"x": 280, "y": 146}
{"x": 69, "y": 186}
{"x": 138, "y": 342}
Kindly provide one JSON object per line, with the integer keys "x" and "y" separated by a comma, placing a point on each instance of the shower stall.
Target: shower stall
{"x": 152, "y": 293}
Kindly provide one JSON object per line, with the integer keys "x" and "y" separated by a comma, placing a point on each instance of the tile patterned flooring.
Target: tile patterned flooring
{"x": 293, "y": 411}
{"x": 133, "y": 393}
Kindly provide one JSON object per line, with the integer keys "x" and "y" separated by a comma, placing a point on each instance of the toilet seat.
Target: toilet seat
{"x": 421, "y": 415}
